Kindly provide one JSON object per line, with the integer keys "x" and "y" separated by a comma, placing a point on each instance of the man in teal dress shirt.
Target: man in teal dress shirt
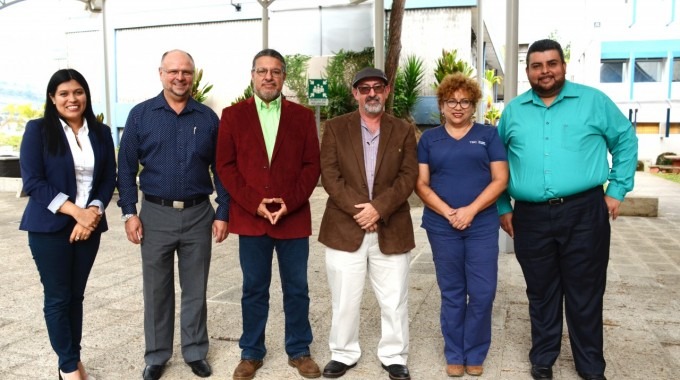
{"x": 557, "y": 135}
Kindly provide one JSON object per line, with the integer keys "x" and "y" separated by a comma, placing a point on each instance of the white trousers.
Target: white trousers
{"x": 389, "y": 276}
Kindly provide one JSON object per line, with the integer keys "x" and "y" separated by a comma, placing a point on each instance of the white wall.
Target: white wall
{"x": 425, "y": 32}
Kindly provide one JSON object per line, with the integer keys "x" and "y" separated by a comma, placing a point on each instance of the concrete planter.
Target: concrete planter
{"x": 9, "y": 167}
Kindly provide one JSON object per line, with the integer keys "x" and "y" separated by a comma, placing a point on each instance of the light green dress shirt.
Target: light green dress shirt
{"x": 269, "y": 115}
{"x": 561, "y": 150}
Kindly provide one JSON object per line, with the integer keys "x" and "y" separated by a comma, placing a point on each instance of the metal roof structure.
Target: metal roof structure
{"x": 7, "y": 3}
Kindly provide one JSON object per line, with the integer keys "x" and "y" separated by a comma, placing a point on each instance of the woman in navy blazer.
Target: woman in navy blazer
{"x": 68, "y": 170}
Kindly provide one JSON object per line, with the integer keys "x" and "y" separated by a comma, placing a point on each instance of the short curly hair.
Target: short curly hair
{"x": 455, "y": 82}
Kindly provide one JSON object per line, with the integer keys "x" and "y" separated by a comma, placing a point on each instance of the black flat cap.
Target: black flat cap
{"x": 369, "y": 72}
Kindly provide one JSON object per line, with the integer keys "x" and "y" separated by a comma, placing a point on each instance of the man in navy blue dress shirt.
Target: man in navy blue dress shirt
{"x": 173, "y": 137}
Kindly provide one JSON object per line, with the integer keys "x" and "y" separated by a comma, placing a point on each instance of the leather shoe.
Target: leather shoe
{"x": 245, "y": 370}
{"x": 152, "y": 372}
{"x": 455, "y": 370}
{"x": 474, "y": 370}
{"x": 589, "y": 376}
{"x": 306, "y": 366}
{"x": 335, "y": 369}
{"x": 539, "y": 372}
{"x": 397, "y": 371}
{"x": 200, "y": 368}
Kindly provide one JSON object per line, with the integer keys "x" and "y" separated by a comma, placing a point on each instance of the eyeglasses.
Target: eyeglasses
{"x": 262, "y": 72}
{"x": 378, "y": 88}
{"x": 464, "y": 103}
{"x": 182, "y": 73}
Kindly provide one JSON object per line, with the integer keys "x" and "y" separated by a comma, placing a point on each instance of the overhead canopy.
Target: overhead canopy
{"x": 7, "y": 3}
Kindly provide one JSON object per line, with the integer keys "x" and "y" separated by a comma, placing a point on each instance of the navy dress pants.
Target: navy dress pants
{"x": 563, "y": 250}
{"x": 256, "y": 254}
{"x": 64, "y": 268}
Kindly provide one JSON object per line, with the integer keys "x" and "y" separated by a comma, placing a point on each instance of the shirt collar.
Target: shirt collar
{"x": 160, "y": 102}
{"x": 84, "y": 129}
{"x": 569, "y": 90}
{"x": 273, "y": 105}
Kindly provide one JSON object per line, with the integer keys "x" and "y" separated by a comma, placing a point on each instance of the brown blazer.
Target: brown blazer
{"x": 344, "y": 177}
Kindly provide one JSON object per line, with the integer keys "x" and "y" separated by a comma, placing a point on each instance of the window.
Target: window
{"x": 647, "y": 70}
{"x": 676, "y": 70}
{"x": 611, "y": 71}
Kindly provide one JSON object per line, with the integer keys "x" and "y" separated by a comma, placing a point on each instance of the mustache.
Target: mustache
{"x": 369, "y": 98}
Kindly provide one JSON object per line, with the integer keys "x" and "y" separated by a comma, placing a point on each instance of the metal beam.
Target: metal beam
{"x": 511, "y": 48}
{"x": 379, "y": 34}
{"x": 6, "y": 3}
{"x": 481, "y": 67}
{"x": 265, "y": 22}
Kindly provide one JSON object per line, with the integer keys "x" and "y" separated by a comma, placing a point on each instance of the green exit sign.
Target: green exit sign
{"x": 317, "y": 92}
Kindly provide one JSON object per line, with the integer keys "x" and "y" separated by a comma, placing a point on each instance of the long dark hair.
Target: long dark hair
{"x": 55, "y": 144}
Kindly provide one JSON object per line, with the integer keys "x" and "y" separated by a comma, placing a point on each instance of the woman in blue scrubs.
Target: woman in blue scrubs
{"x": 462, "y": 170}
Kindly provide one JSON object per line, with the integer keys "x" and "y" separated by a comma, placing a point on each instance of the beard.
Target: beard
{"x": 375, "y": 107}
{"x": 548, "y": 92}
{"x": 268, "y": 95}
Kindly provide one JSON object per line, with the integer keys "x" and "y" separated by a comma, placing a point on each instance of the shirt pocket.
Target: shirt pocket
{"x": 202, "y": 144}
{"x": 573, "y": 136}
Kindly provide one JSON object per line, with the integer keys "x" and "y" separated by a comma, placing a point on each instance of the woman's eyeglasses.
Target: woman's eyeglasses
{"x": 464, "y": 103}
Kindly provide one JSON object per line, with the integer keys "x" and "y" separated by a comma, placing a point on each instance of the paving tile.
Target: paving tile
{"x": 642, "y": 307}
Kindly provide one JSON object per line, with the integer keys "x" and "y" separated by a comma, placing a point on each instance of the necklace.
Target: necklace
{"x": 458, "y": 133}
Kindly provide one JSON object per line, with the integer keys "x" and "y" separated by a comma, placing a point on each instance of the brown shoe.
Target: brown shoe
{"x": 306, "y": 366}
{"x": 245, "y": 370}
{"x": 455, "y": 370}
{"x": 474, "y": 370}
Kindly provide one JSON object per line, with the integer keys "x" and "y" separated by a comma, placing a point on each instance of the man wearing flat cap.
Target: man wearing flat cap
{"x": 369, "y": 169}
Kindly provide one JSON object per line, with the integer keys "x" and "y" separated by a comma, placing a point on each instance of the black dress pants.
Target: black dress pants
{"x": 563, "y": 250}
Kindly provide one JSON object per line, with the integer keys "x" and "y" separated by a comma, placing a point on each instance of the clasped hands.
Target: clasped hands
{"x": 273, "y": 217}
{"x": 87, "y": 220}
{"x": 460, "y": 218}
{"x": 368, "y": 217}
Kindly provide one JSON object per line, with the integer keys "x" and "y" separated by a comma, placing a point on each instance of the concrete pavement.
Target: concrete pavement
{"x": 642, "y": 307}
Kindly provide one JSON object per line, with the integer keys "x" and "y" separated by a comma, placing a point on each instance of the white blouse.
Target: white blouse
{"x": 83, "y": 159}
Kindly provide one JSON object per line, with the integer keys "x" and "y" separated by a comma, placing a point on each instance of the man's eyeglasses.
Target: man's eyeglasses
{"x": 262, "y": 72}
{"x": 182, "y": 73}
{"x": 378, "y": 88}
{"x": 464, "y": 103}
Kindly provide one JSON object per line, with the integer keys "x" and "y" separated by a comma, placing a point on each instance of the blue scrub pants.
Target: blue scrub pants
{"x": 466, "y": 264}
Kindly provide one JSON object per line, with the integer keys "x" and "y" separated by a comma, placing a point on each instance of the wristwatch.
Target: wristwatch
{"x": 127, "y": 217}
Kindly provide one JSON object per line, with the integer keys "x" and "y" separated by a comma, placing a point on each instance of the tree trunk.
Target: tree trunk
{"x": 394, "y": 47}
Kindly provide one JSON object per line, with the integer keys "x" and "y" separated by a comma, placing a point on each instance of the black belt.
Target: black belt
{"x": 568, "y": 198}
{"x": 176, "y": 204}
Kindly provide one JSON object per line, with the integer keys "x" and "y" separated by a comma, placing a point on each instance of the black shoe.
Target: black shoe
{"x": 590, "y": 376}
{"x": 397, "y": 371}
{"x": 152, "y": 372}
{"x": 200, "y": 368}
{"x": 540, "y": 372}
{"x": 335, "y": 369}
